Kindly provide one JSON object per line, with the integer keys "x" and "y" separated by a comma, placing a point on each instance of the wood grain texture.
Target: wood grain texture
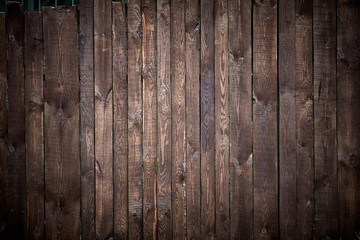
{"x": 348, "y": 117}
{"x": 62, "y": 157}
{"x": 135, "y": 120}
{"x": 164, "y": 223}
{"x": 265, "y": 119}
{"x": 324, "y": 40}
{"x": 304, "y": 120}
{"x": 207, "y": 121}
{"x": 192, "y": 62}
{"x": 34, "y": 123}
{"x": 16, "y": 122}
{"x": 241, "y": 129}
{"x": 221, "y": 120}
{"x": 87, "y": 131}
{"x": 178, "y": 153}
{"x": 120, "y": 86}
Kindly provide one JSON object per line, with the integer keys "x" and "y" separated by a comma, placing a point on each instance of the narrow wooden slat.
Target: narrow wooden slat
{"x": 148, "y": 13}
{"x": 62, "y": 157}
{"x": 87, "y": 141}
{"x": 177, "y": 63}
{"x": 34, "y": 124}
{"x": 135, "y": 121}
{"x": 348, "y": 105}
{"x": 287, "y": 121}
{"x": 304, "y": 121}
{"x": 120, "y": 120}
{"x": 221, "y": 120}
{"x": 3, "y": 131}
{"x": 16, "y": 121}
{"x": 103, "y": 120}
{"x": 241, "y": 158}
{"x": 324, "y": 40}
{"x": 265, "y": 119}
{"x": 192, "y": 62}
{"x": 164, "y": 121}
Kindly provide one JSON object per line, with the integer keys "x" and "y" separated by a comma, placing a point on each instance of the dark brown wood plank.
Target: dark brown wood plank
{"x": 221, "y": 120}
{"x": 120, "y": 120}
{"x": 164, "y": 121}
{"x": 103, "y": 120}
{"x": 192, "y": 48}
{"x": 34, "y": 124}
{"x": 177, "y": 63}
{"x": 348, "y": 117}
{"x": 3, "y": 130}
{"x": 135, "y": 120}
{"x": 148, "y": 13}
{"x": 207, "y": 120}
{"x": 324, "y": 39}
{"x": 87, "y": 141}
{"x": 62, "y": 157}
{"x": 16, "y": 121}
{"x": 304, "y": 120}
{"x": 265, "y": 119}
{"x": 241, "y": 158}
{"x": 287, "y": 121}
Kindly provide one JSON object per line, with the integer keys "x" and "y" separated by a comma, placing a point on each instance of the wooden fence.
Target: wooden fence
{"x": 211, "y": 119}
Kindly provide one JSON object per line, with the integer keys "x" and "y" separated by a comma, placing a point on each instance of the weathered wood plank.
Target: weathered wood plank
{"x": 164, "y": 121}
{"x": 177, "y": 63}
{"x": 348, "y": 117}
{"x": 62, "y": 157}
{"x": 135, "y": 120}
{"x": 192, "y": 62}
{"x": 241, "y": 158}
{"x": 87, "y": 131}
{"x": 16, "y": 122}
{"x": 324, "y": 39}
{"x": 120, "y": 120}
{"x": 34, "y": 123}
{"x": 265, "y": 119}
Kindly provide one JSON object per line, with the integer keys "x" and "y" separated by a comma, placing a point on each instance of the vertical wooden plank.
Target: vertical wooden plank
{"x": 221, "y": 120}
{"x": 287, "y": 121}
{"x": 265, "y": 119}
{"x": 16, "y": 121}
{"x": 164, "y": 121}
{"x": 241, "y": 156}
{"x": 304, "y": 120}
{"x": 3, "y": 131}
{"x": 348, "y": 104}
{"x": 135, "y": 121}
{"x": 34, "y": 124}
{"x": 103, "y": 119}
{"x": 62, "y": 158}
{"x": 177, "y": 64}
{"x": 207, "y": 121}
{"x": 148, "y": 13}
{"x": 192, "y": 62}
{"x": 86, "y": 57}
{"x": 120, "y": 120}
{"x": 324, "y": 39}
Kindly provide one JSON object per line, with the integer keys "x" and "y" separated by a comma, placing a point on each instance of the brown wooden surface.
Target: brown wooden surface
{"x": 135, "y": 120}
{"x": 87, "y": 141}
{"x": 265, "y": 119}
{"x": 16, "y": 122}
{"x": 34, "y": 123}
{"x": 348, "y": 117}
{"x": 324, "y": 40}
{"x": 164, "y": 223}
{"x": 120, "y": 120}
{"x": 62, "y": 157}
{"x": 240, "y": 90}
